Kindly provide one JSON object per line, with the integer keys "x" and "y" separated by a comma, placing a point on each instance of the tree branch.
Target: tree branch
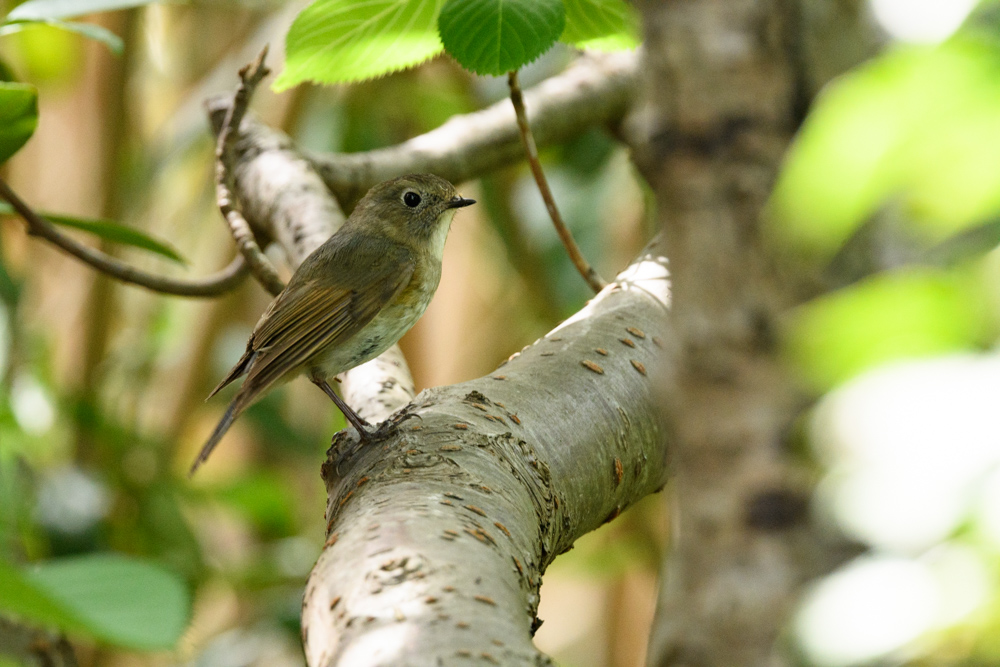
{"x": 595, "y": 281}
{"x": 528, "y": 454}
{"x": 439, "y": 534}
{"x": 225, "y": 280}
{"x": 595, "y": 90}
{"x": 260, "y": 265}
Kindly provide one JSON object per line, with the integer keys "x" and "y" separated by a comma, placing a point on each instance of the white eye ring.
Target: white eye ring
{"x": 411, "y": 199}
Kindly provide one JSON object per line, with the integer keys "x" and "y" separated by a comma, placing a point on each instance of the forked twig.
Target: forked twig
{"x": 260, "y": 265}
{"x": 593, "y": 279}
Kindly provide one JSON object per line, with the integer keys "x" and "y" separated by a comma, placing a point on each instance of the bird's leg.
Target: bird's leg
{"x": 356, "y": 420}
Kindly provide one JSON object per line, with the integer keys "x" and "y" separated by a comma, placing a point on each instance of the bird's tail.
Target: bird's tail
{"x": 237, "y": 406}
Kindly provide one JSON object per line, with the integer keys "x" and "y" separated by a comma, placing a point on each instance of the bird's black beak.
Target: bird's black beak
{"x": 458, "y": 201}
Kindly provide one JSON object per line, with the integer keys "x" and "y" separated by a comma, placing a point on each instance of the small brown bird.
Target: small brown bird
{"x": 352, "y": 298}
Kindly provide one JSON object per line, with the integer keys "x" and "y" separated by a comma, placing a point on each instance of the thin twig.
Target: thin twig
{"x": 593, "y": 279}
{"x": 214, "y": 285}
{"x": 260, "y": 265}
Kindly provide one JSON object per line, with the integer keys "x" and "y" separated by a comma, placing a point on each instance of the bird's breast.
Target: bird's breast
{"x": 387, "y": 327}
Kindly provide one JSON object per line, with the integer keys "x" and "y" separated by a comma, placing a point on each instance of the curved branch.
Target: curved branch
{"x": 219, "y": 283}
{"x": 259, "y": 264}
{"x": 593, "y": 279}
{"x": 438, "y": 535}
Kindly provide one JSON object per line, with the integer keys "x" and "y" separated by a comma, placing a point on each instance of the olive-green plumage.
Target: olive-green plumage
{"x": 352, "y": 298}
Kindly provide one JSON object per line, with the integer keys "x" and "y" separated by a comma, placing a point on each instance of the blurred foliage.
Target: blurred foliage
{"x": 915, "y": 126}
{"x": 118, "y": 600}
{"x": 18, "y": 116}
{"x": 903, "y": 314}
{"x": 107, "y": 230}
{"x": 891, "y": 195}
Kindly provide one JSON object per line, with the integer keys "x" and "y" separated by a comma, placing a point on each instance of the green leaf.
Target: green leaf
{"x": 602, "y": 25}
{"x": 18, "y": 116}
{"x": 122, "y": 601}
{"x": 20, "y": 597}
{"x": 337, "y": 41}
{"x": 497, "y": 36}
{"x": 917, "y": 127}
{"x": 909, "y": 314}
{"x": 88, "y": 30}
{"x": 110, "y": 231}
{"x": 46, "y": 10}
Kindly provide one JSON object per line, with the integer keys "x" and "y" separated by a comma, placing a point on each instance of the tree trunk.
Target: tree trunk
{"x": 728, "y": 82}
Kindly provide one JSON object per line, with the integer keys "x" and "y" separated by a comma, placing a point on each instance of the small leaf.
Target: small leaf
{"x": 497, "y": 36}
{"x": 337, "y": 41}
{"x": 21, "y": 598}
{"x": 47, "y": 10}
{"x": 108, "y": 230}
{"x": 123, "y": 601}
{"x": 18, "y": 116}
{"x": 88, "y": 30}
{"x": 602, "y": 25}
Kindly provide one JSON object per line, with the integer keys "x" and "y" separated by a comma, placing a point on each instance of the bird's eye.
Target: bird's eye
{"x": 411, "y": 199}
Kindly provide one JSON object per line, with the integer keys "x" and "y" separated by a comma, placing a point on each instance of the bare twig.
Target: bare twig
{"x": 34, "y": 647}
{"x": 214, "y": 285}
{"x": 595, "y": 281}
{"x": 260, "y": 266}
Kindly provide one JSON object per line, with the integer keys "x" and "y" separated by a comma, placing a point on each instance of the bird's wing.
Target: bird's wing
{"x": 318, "y": 312}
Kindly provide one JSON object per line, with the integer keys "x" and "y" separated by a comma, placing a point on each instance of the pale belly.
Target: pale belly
{"x": 375, "y": 338}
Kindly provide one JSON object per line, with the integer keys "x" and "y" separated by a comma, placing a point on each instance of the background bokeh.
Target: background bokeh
{"x": 890, "y": 197}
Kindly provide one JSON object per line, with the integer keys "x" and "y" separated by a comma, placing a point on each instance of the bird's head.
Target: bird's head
{"x": 416, "y": 209}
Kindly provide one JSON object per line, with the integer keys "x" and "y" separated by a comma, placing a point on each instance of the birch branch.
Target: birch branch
{"x": 438, "y": 538}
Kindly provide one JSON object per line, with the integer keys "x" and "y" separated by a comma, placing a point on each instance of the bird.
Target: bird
{"x": 351, "y": 299}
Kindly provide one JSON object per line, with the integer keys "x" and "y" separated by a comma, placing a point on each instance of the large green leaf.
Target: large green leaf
{"x": 47, "y": 10}
{"x": 122, "y": 601}
{"x": 108, "y": 230}
{"x": 602, "y": 25}
{"x": 336, "y": 41}
{"x": 497, "y": 36}
{"x": 18, "y": 116}
{"x": 917, "y": 127}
